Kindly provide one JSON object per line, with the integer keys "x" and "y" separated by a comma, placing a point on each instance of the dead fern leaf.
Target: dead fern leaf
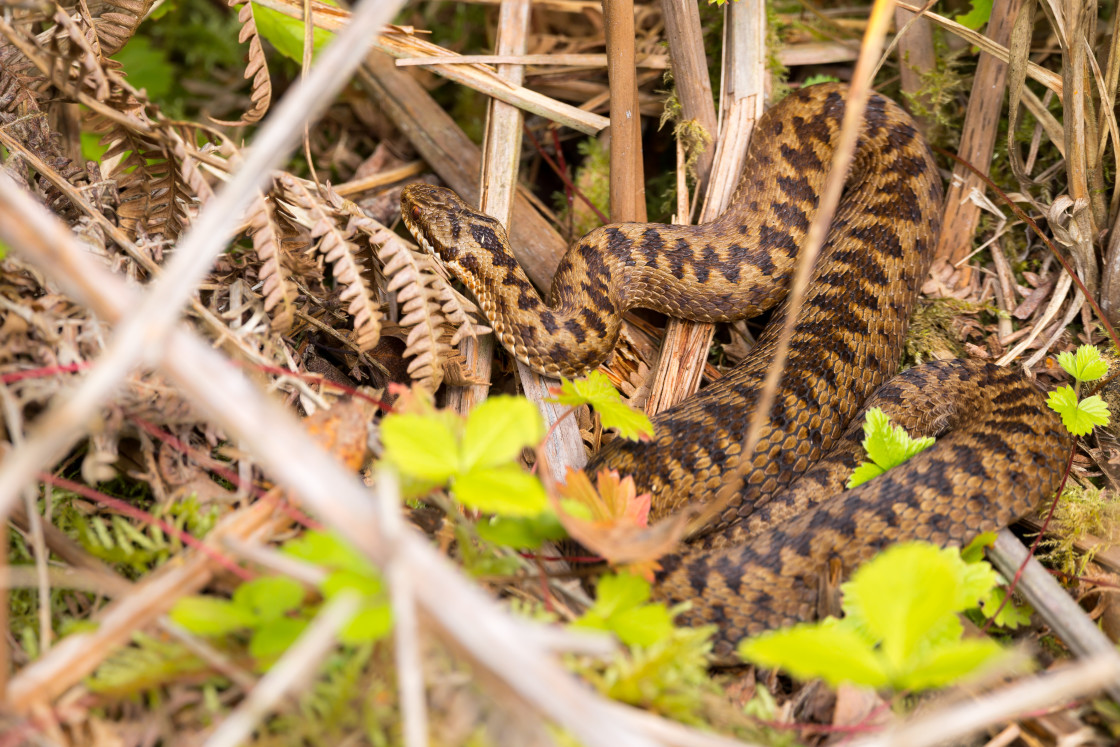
{"x": 87, "y": 51}
{"x": 26, "y": 122}
{"x": 117, "y": 22}
{"x": 154, "y": 195}
{"x": 457, "y": 308}
{"x": 421, "y": 311}
{"x": 256, "y": 69}
{"x": 434, "y": 313}
{"x": 343, "y": 255}
{"x": 279, "y": 294}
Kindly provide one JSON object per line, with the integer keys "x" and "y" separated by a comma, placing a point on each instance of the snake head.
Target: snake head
{"x": 443, "y": 224}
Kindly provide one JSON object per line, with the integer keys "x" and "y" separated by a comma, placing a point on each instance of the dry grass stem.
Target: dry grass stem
{"x": 1057, "y": 298}
{"x": 231, "y": 400}
{"x": 807, "y": 257}
{"x": 685, "y": 346}
{"x": 446, "y": 148}
{"x": 117, "y": 248}
{"x": 79, "y": 654}
{"x": 406, "y": 627}
{"x": 653, "y": 62}
{"x": 978, "y": 139}
{"x": 485, "y": 80}
{"x": 1055, "y": 605}
{"x": 141, "y": 331}
{"x": 1048, "y": 78}
{"x": 690, "y": 68}
{"x": 956, "y": 722}
{"x": 915, "y": 51}
{"x": 628, "y": 186}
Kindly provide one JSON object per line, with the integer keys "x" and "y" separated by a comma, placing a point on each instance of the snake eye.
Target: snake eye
{"x": 416, "y": 212}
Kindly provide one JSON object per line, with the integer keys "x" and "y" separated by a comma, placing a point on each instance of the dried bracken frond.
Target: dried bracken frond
{"x": 118, "y": 21}
{"x": 257, "y": 69}
{"x": 188, "y": 166}
{"x": 153, "y": 192}
{"x": 343, "y": 254}
{"x": 26, "y": 124}
{"x": 437, "y": 314}
{"x": 421, "y": 311}
{"x": 279, "y": 294}
{"x": 87, "y": 52}
{"x": 459, "y": 310}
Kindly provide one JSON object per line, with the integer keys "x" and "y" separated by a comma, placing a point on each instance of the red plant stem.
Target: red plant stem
{"x": 1096, "y": 310}
{"x": 222, "y": 471}
{"x": 313, "y": 379}
{"x": 1034, "y": 546}
{"x": 563, "y": 175}
{"x": 136, "y": 513}
{"x": 38, "y": 373}
{"x": 569, "y": 194}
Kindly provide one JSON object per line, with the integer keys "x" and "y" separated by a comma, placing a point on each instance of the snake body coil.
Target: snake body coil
{"x": 760, "y": 563}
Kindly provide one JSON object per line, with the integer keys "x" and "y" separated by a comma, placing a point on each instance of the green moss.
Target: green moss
{"x": 931, "y": 335}
{"x": 1080, "y": 511}
{"x": 938, "y": 101}
{"x": 592, "y": 178}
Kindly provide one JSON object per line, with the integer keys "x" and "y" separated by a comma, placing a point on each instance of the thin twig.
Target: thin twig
{"x": 961, "y": 720}
{"x": 493, "y": 639}
{"x": 1051, "y": 601}
{"x": 294, "y": 670}
{"x": 406, "y": 632}
{"x": 850, "y": 128}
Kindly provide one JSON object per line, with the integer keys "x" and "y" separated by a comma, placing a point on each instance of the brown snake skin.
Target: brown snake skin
{"x": 760, "y": 565}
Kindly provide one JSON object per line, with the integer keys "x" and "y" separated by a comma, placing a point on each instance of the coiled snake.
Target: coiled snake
{"x": 760, "y": 565}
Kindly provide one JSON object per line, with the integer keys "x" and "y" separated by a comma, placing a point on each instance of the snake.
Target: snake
{"x": 768, "y": 558}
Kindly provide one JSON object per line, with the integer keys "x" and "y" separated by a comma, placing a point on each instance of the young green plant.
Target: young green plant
{"x": 901, "y": 629}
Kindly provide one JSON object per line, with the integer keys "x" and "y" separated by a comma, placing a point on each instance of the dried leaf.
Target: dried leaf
{"x": 343, "y": 254}
{"x": 617, "y": 529}
{"x": 256, "y": 69}
{"x": 279, "y": 293}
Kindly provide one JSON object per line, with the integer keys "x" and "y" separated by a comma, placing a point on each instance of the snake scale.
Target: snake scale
{"x": 762, "y": 563}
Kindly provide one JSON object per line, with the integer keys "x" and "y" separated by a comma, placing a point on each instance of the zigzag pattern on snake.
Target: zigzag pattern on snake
{"x": 759, "y": 565}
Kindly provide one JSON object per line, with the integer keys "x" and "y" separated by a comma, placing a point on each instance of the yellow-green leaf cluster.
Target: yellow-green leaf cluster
{"x": 901, "y": 629}
{"x": 477, "y": 457}
{"x": 596, "y": 391}
{"x": 886, "y": 446}
{"x": 1080, "y": 415}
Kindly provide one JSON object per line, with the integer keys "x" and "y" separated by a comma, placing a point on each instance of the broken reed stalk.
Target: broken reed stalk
{"x": 628, "y": 188}
{"x": 497, "y": 185}
{"x": 685, "y": 346}
{"x": 850, "y": 126}
{"x": 961, "y": 215}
